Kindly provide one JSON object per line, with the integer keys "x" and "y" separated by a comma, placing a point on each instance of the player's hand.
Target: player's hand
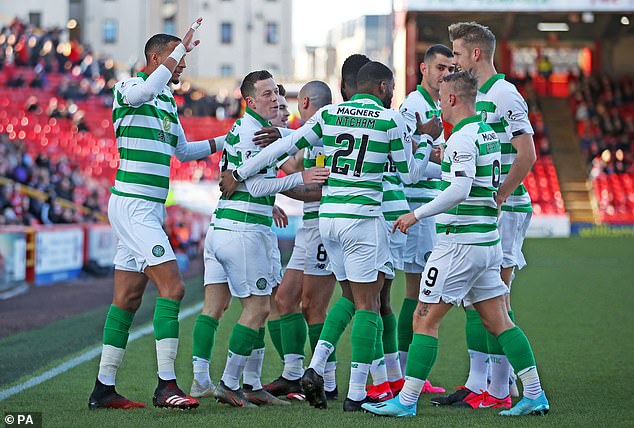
{"x": 188, "y": 40}
{"x": 228, "y": 184}
{"x": 266, "y": 136}
{"x": 404, "y": 222}
{"x": 437, "y": 152}
{"x": 499, "y": 200}
{"x": 279, "y": 217}
{"x": 433, "y": 127}
{"x": 315, "y": 175}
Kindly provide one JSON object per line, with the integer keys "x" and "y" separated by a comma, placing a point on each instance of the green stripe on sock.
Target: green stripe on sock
{"x": 166, "y": 318}
{"x": 242, "y": 340}
{"x": 276, "y": 336}
{"x": 517, "y": 348}
{"x": 204, "y": 336}
{"x": 389, "y": 334}
{"x": 421, "y": 356}
{"x": 363, "y": 336}
{"x": 378, "y": 343}
{"x": 405, "y": 320}
{"x": 117, "y": 327}
{"x": 293, "y": 333}
{"x": 337, "y": 320}
{"x": 475, "y": 333}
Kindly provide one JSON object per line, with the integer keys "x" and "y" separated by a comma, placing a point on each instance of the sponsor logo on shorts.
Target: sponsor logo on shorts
{"x": 261, "y": 283}
{"x": 321, "y": 266}
{"x": 390, "y": 266}
{"x": 426, "y": 256}
{"x": 158, "y": 251}
{"x": 426, "y": 292}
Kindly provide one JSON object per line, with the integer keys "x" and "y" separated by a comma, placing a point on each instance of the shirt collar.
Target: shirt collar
{"x": 426, "y": 95}
{"x": 466, "y": 121}
{"x": 257, "y": 117}
{"x": 487, "y": 85}
{"x": 142, "y": 75}
{"x": 371, "y": 97}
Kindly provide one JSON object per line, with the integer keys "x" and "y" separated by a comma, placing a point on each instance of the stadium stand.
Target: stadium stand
{"x": 603, "y": 109}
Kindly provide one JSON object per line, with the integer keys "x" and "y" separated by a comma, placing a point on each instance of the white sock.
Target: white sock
{"x": 411, "y": 390}
{"x": 323, "y": 349}
{"x": 477, "y": 380}
{"x": 358, "y": 378}
{"x": 293, "y": 366}
{"x": 201, "y": 371}
{"x": 330, "y": 380}
{"x": 253, "y": 369}
{"x": 233, "y": 370}
{"x": 402, "y": 360}
{"x": 500, "y": 373}
{"x": 531, "y": 386}
{"x": 378, "y": 371}
{"x": 393, "y": 366}
{"x": 111, "y": 358}
{"x": 165, "y": 357}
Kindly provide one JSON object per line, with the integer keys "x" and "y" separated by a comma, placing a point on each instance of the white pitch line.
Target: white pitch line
{"x": 86, "y": 356}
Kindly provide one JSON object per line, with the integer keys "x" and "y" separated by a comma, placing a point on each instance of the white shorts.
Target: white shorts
{"x": 309, "y": 254}
{"x": 462, "y": 274}
{"x": 276, "y": 260}
{"x": 241, "y": 259}
{"x": 397, "y": 248}
{"x": 358, "y": 248}
{"x": 141, "y": 240}
{"x": 512, "y": 227}
{"x": 421, "y": 239}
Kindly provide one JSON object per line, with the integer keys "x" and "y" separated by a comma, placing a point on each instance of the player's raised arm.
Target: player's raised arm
{"x": 163, "y": 68}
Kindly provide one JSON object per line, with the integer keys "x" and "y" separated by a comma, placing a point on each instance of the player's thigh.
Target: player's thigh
{"x": 488, "y": 284}
{"x": 316, "y": 259}
{"x": 365, "y": 247}
{"x": 245, "y": 259}
{"x": 449, "y": 273}
{"x": 298, "y": 256}
{"x": 512, "y": 227}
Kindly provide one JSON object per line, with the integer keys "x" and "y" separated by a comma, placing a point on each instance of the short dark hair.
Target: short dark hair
{"x": 465, "y": 84}
{"x": 372, "y": 74}
{"x": 247, "y": 88}
{"x": 282, "y": 90}
{"x": 158, "y": 42}
{"x": 434, "y": 50}
{"x": 351, "y": 67}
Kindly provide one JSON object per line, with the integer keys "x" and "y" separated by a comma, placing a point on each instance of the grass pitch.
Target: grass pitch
{"x": 574, "y": 300}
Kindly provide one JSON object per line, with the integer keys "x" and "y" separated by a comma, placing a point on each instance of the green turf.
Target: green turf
{"x": 573, "y": 300}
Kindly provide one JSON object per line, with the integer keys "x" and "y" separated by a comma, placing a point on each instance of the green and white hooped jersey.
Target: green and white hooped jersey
{"x": 147, "y": 137}
{"x": 420, "y": 101}
{"x": 357, "y": 137}
{"x": 242, "y": 211}
{"x": 473, "y": 150}
{"x": 394, "y": 203}
{"x": 311, "y": 209}
{"x": 504, "y": 109}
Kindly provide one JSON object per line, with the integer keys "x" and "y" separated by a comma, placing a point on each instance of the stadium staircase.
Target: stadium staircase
{"x": 576, "y": 189}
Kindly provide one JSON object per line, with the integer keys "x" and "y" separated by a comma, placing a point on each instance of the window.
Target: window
{"x": 35, "y": 19}
{"x": 272, "y": 33}
{"x": 226, "y": 33}
{"x": 109, "y": 30}
{"x": 226, "y": 70}
{"x": 169, "y": 25}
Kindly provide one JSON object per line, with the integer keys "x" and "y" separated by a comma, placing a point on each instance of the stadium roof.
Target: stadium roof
{"x": 515, "y": 5}
{"x": 432, "y": 25}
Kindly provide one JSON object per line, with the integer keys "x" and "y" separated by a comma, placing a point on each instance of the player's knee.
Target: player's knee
{"x": 175, "y": 291}
{"x": 284, "y": 303}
